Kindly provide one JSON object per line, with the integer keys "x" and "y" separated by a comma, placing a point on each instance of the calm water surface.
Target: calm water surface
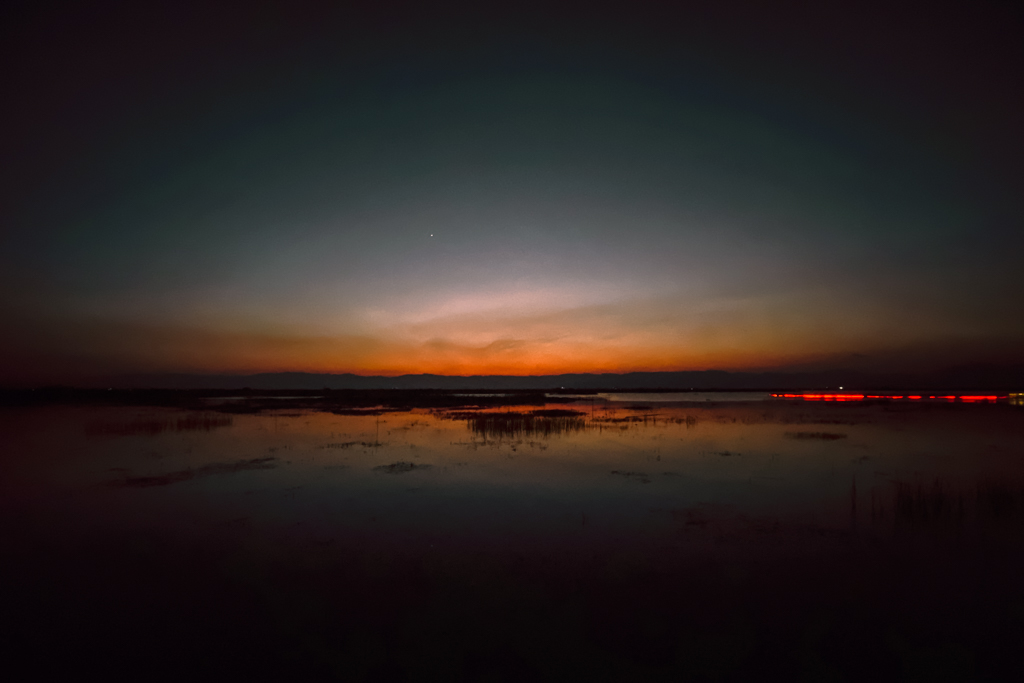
{"x": 602, "y": 470}
{"x": 662, "y": 514}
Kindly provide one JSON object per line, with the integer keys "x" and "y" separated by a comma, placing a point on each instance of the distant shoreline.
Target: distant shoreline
{"x": 249, "y": 400}
{"x": 977, "y": 377}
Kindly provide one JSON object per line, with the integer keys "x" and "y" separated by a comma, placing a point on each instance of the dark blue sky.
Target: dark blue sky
{"x": 390, "y": 188}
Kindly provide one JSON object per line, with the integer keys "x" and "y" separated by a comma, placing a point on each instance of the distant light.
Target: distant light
{"x": 431, "y": 234}
{"x": 966, "y": 398}
{"x": 840, "y": 388}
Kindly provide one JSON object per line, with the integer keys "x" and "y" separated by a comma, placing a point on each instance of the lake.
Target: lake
{"x": 609, "y": 536}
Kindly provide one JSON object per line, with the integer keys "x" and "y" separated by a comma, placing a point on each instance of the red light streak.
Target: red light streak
{"x": 969, "y": 398}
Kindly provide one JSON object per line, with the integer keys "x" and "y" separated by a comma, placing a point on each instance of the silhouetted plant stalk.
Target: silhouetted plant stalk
{"x": 940, "y": 505}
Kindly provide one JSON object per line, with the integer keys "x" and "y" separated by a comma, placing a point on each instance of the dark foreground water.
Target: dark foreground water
{"x": 743, "y": 541}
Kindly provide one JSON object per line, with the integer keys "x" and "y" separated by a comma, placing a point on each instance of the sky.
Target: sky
{"x": 405, "y": 188}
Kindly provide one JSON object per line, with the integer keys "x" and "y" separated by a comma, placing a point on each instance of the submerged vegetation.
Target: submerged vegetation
{"x": 198, "y": 472}
{"x": 941, "y": 504}
{"x": 920, "y": 504}
{"x": 152, "y": 427}
{"x": 822, "y": 436}
{"x": 401, "y": 467}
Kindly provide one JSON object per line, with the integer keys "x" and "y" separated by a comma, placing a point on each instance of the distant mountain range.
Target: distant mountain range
{"x": 988, "y": 377}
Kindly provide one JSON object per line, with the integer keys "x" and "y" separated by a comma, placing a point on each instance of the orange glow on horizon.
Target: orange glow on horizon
{"x": 519, "y": 347}
{"x": 504, "y": 357}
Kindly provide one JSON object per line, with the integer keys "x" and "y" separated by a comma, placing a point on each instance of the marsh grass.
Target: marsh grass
{"x": 541, "y": 423}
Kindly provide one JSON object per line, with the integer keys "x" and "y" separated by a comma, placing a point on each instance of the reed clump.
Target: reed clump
{"x": 542, "y": 423}
{"x": 821, "y": 436}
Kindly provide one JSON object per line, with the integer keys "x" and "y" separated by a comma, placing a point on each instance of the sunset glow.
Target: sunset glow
{"x": 502, "y": 205}
{"x": 487, "y": 341}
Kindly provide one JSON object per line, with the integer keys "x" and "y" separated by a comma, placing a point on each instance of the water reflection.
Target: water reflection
{"x": 762, "y": 459}
{"x": 629, "y": 536}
